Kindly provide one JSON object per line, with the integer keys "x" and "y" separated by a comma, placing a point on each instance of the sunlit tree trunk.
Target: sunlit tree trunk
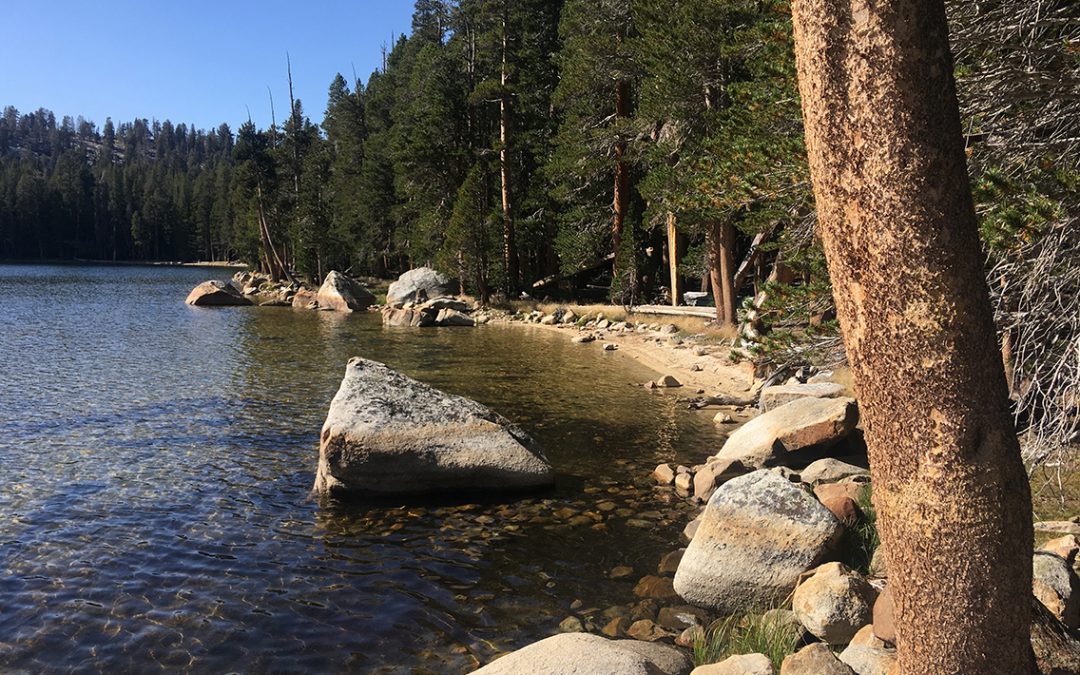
{"x": 621, "y": 199}
{"x": 896, "y": 216}
{"x": 673, "y": 257}
{"x": 510, "y": 256}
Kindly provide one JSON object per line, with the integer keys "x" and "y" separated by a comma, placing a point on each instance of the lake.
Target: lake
{"x": 157, "y": 461}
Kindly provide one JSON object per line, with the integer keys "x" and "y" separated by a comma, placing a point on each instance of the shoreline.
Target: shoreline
{"x": 717, "y": 375}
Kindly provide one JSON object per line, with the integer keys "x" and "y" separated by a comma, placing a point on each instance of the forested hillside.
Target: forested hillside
{"x": 554, "y": 147}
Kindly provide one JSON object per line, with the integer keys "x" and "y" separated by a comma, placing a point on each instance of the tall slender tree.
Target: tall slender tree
{"x": 898, "y": 223}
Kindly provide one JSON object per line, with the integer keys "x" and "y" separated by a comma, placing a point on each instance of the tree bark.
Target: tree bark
{"x": 887, "y": 160}
{"x": 510, "y": 257}
{"x": 721, "y": 238}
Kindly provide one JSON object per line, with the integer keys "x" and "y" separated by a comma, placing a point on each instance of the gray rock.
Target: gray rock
{"x": 340, "y": 293}
{"x": 216, "y": 294}
{"x": 386, "y": 434}
{"x": 715, "y": 474}
{"x": 447, "y": 303}
{"x": 758, "y": 534}
{"x": 663, "y": 474}
{"x": 868, "y": 660}
{"x": 690, "y": 531}
{"x": 834, "y": 603}
{"x": 421, "y": 284}
{"x": 778, "y": 395}
{"x": 1056, "y": 586}
{"x": 741, "y": 664}
{"x": 305, "y": 299}
{"x": 771, "y": 438}
{"x": 815, "y": 659}
{"x": 584, "y": 654}
{"x": 408, "y": 318}
{"x": 829, "y": 470}
{"x": 452, "y": 317}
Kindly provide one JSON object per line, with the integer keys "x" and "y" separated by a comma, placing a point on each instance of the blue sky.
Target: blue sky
{"x": 197, "y": 62}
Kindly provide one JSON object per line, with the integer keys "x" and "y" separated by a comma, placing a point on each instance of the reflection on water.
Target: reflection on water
{"x": 156, "y": 461}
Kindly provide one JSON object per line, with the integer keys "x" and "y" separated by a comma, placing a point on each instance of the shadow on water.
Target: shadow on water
{"x": 156, "y": 462}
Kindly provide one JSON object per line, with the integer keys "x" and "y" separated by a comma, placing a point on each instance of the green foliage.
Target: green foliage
{"x": 749, "y": 633}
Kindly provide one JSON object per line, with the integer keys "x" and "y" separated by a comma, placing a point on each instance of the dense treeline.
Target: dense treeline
{"x": 505, "y": 142}
{"x": 538, "y": 145}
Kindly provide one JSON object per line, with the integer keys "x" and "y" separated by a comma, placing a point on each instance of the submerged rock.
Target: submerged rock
{"x": 340, "y": 293}
{"x": 583, "y": 653}
{"x": 420, "y": 284}
{"x": 388, "y": 434}
{"x": 758, "y": 534}
{"x": 216, "y": 294}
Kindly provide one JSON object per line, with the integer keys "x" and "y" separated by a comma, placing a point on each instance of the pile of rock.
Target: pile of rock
{"x": 337, "y": 293}
{"x": 421, "y": 298}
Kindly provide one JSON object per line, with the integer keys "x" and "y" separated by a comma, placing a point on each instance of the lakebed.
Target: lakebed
{"x": 158, "y": 461}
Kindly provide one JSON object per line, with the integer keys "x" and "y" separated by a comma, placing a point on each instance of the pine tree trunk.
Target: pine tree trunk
{"x": 622, "y": 176}
{"x": 510, "y": 258}
{"x": 721, "y": 240}
{"x": 673, "y": 257}
{"x": 896, "y": 216}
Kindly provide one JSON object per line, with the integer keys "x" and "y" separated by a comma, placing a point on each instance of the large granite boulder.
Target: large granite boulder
{"x": 343, "y": 294}
{"x": 216, "y": 294}
{"x": 781, "y": 394}
{"x": 585, "y": 654}
{"x": 420, "y": 284}
{"x": 758, "y": 534}
{"x": 773, "y": 437}
{"x": 387, "y": 434}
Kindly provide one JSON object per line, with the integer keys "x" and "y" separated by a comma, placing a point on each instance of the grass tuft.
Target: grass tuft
{"x": 863, "y": 537}
{"x": 750, "y": 633}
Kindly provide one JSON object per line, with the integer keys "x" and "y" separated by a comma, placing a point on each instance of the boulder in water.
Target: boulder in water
{"x": 387, "y": 434}
{"x": 216, "y": 294}
{"x": 343, "y": 294}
